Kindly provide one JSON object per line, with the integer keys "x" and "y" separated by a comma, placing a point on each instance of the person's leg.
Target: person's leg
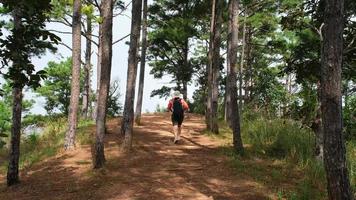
{"x": 179, "y": 132}
{"x": 175, "y": 132}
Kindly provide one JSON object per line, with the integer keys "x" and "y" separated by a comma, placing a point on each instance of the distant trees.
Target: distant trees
{"x": 56, "y": 87}
{"x": 173, "y": 25}
{"x": 27, "y": 38}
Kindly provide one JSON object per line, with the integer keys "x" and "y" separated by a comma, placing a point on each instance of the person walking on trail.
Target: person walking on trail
{"x": 177, "y": 106}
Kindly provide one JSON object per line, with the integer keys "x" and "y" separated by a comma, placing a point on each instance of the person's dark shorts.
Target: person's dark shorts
{"x": 177, "y": 119}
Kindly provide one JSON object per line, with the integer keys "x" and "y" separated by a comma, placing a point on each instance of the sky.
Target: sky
{"x": 121, "y": 27}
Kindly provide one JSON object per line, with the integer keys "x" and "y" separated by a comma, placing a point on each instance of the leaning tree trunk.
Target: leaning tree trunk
{"x": 233, "y": 30}
{"x": 215, "y": 65}
{"x": 331, "y": 106}
{"x": 209, "y": 68}
{"x": 106, "y": 55}
{"x": 128, "y": 117}
{"x": 142, "y": 65}
{"x": 14, "y": 152}
{"x": 87, "y": 68}
{"x": 75, "y": 84}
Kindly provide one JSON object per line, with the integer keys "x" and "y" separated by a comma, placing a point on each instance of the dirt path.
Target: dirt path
{"x": 156, "y": 169}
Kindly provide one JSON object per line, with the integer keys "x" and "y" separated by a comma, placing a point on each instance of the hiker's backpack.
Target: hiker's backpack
{"x": 177, "y": 107}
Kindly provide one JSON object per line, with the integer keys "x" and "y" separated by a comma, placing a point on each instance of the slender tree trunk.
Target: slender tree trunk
{"x": 209, "y": 68}
{"x": 185, "y": 91}
{"x": 317, "y": 128}
{"x": 14, "y": 153}
{"x": 106, "y": 56}
{"x": 248, "y": 71}
{"x": 87, "y": 68}
{"x": 128, "y": 118}
{"x": 242, "y": 61}
{"x": 227, "y": 100}
{"x": 186, "y": 67}
{"x": 75, "y": 83}
{"x": 142, "y": 65}
{"x": 215, "y": 65}
{"x": 231, "y": 76}
{"x": 98, "y": 72}
{"x": 331, "y": 106}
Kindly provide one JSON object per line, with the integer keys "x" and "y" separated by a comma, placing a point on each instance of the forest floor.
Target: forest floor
{"x": 194, "y": 169}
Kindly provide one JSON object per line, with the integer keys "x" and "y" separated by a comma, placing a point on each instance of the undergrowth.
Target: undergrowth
{"x": 279, "y": 155}
{"x": 37, "y": 147}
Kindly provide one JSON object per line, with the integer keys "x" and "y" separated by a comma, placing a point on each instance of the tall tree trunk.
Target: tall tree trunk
{"x": 185, "y": 91}
{"x": 128, "y": 117}
{"x": 227, "y": 100}
{"x": 209, "y": 67}
{"x": 87, "y": 68}
{"x": 215, "y": 65}
{"x": 242, "y": 61}
{"x": 14, "y": 152}
{"x": 317, "y": 128}
{"x": 98, "y": 72}
{"x": 106, "y": 56}
{"x": 331, "y": 106}
{"x": 248, "y": 71}
{"x": 231, "y": 76}
{"x": 186, "y": 68}
{"x": 75, "y": 84}
{"x": 142, "y": 65}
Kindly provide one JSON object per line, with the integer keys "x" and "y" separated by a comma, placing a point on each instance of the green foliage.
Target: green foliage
{"x": 278, "y": 152}
{"x": 115, "y": 107}
{"x": 5, "y": 112}
{"x": 349, "y": 115}
{"x": 29, "y": 38}
{"x": 56, "y": 87}
{"x": 268, "y": 92}
{"x": 173, "y": 24}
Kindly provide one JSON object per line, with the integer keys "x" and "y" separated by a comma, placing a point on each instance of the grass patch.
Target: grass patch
{"x": 279, "y": 155}
{"x": 37, "y": 147}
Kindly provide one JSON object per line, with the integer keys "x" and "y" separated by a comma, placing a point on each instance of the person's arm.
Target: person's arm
{"x": 185, "y": 105}
{"x": 169, "y": 107}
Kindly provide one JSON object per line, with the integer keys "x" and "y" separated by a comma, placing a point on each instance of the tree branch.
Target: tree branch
{"x": 119, "y": 40}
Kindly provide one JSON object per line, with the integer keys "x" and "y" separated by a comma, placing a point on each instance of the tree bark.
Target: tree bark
{"x": 209, "y": 67}
{"x": 248, "y": 71}
{"x": 242, "y": 61}
{"x": 128, "y": 117}
{"x": 215, "y": 65}
{"x": 231, "y": 76}
{"x": 331, "y": 106}
{"x": 75, "y": 84}
{"x": 14, "y": 152}
{"x": 142, "y": 65}
{"x": 87, "y": 68}
{"x": 106, "y": 56}
{"x": 98, "y": 72}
